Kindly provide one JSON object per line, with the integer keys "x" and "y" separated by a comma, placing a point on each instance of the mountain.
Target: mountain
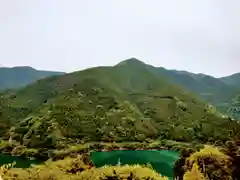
{"x": 126, "y": 102}
{"x": 233, "y": 80}
{"x": 213, "y": 90}
{"x": 207, "y": 87}
{"x": 17, "y": 77}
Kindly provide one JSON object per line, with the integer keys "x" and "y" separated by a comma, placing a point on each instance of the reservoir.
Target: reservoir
{"x": 20, "y": 162}
{"x": 161, "y": 160}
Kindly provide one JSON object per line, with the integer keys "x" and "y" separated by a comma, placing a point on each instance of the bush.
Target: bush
{"x": 5, "y": 145}
{"x": 66, "y": 169}
{"x": 194, "y": 174}
{"x": 30, "y": 152}
{"x": 77, "y": 169}
{"x": 136, "y": 172}
{"x": 209, "y": 151}
{"x": 213, "y": 163}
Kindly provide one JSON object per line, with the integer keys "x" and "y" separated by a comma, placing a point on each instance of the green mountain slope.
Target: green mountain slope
{"x": 20, "y": 76}
{"x": 234, "y": 109}
{"x": 210, "y": 89}
{"x": 233, "y": 80}
{"x": 127, "y": 102}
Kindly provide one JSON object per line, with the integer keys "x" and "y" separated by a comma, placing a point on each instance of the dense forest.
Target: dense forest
{"x": 131, "y": 105}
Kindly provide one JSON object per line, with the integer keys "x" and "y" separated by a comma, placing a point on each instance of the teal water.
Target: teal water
{"x": 20, "y": 162}
{"x": 162, "y": 161}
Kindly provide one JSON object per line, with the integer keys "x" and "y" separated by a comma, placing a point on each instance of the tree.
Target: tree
{"x": 235, "y": 107}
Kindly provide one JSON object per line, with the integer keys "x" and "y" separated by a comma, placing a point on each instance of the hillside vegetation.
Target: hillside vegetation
{"x": 17, "y": 77}
{"x": 217, "y": 91}
{"x": 214, "y": 163}
{"x": 78, "y": 169}
{"x": 209, "y": 163}
{"x": 234, "y": 110}
{"x": 233, "y": 80}
{"x": 126, "y": 102}
{"x": 207, "y": 87}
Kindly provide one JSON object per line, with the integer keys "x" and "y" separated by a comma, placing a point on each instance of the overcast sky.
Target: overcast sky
{"x": 68, "y": 35}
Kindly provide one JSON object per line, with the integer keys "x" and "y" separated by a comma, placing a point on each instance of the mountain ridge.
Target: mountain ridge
{"x": 20, "y": 76}
{"x": 207, "y": 87}
{"x": 117, "y": 103}
{"x": 233, "y": 79}
{"x": 134, "y": 60}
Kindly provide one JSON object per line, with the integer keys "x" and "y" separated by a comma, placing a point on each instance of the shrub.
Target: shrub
{"x": 213, "y": 163}
{"x": 76, "y": 169}
{"x": 136, "y": 172}
{"x": 69, "y": 168}
{"x": 194, "y": 174}
{"x": 30, "y": 152}
{"x": 5, "y": 145}
{"x": 209, "y": 151}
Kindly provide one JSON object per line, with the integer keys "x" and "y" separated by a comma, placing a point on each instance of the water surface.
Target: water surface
{"x": 20, "y": 162}
{"x": 162, "y": 161}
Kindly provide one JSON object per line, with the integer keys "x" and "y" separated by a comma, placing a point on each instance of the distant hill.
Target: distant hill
{"x": 207, "y": 87}
{"x": 126, "y": 102}
{"x": 213, "y": 90}
{"x": 233, "y": 80}
{"x": 17, "y": 77}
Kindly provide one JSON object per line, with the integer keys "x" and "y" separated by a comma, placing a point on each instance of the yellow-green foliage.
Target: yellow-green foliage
{"x": 121, "y": 173}
{"x": 4, "y": 144}
{"x": 4, "y": 168}
{"x": 209, "y": 151}
{"x": 212, "y": 162}
{"x": 58, "y": 170}
{"x": 79, "y": 147}
{"x": 194, "y": 174}
{"x": 76, "y": 169}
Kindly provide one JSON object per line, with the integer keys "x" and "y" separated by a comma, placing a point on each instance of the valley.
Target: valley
{"x": 129, "y": 106}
